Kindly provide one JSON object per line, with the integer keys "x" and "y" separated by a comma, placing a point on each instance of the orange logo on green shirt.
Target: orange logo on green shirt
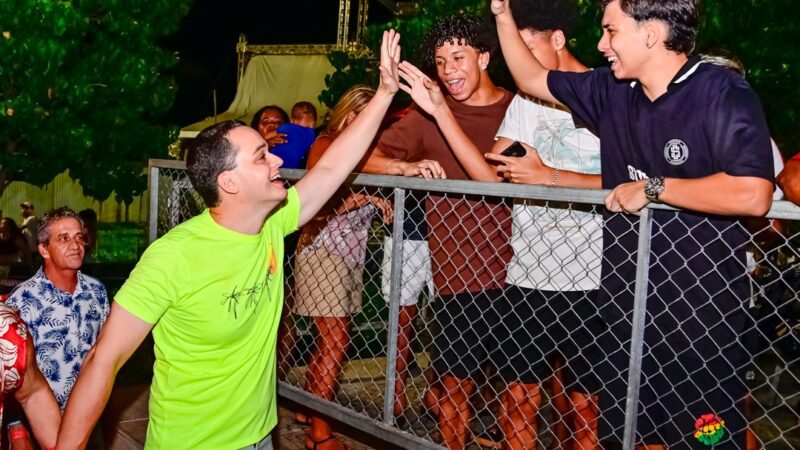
{"x": 273, "y": 262}
{"x": 709, "y": 429}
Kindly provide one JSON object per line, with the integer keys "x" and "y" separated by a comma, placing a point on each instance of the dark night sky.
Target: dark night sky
{"x": 206, "y": 43}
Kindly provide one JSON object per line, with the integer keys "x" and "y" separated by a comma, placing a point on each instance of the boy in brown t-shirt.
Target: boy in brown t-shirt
{"x": 469, "y": 235}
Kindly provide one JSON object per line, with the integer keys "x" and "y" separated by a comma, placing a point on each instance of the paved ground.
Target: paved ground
{"x": 126, "y": 424}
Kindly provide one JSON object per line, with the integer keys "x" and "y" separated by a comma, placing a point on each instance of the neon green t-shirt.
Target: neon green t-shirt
{"x": 215, "y": 297}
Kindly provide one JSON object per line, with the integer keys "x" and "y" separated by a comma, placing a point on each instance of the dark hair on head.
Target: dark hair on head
{"x": 12, "y": 225}
{"x": 545, "y": 15}
{"x": 51, "y": 217}
{"x": 681, "y": 16}
{"x": 210, "y": 154}
{"x": 302, "y": 108}
{"x": 257, "y": 116}
{"x": 477, "y": 33}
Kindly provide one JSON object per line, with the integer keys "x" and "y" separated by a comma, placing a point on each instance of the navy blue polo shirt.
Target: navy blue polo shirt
{"x": 709, "y": 121}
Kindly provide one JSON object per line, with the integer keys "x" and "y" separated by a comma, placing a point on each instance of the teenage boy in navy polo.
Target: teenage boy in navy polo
{"x": 693, "y": 136}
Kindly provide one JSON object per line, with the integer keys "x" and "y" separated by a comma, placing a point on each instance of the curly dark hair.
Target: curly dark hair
{"x": 477, "y": 33}
{"x": 545, "y": 15}
{"x": 681, "y": 16}
{"x": 210, "y": 154}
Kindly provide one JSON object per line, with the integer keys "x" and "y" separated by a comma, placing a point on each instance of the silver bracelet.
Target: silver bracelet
{"x": 555, "y": 177}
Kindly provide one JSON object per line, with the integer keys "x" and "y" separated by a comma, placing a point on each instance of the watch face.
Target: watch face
{"x": 653, "y": 187}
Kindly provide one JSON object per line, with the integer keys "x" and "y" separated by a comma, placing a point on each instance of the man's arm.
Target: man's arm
{"x": 319, "y": 183}
{"x": 720, "y": 193}
{"x": 37, "y": 400}
{"x": 528, "y": 73}
{"x": 119, "y": 338}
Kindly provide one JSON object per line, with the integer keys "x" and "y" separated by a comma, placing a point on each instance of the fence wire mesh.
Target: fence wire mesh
{"x": 510, "y": 321}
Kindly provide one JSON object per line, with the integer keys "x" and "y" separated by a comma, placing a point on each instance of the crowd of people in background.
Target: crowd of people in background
{"x": 513, "y": 293}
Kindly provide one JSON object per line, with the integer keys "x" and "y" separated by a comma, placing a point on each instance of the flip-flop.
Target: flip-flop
{"x": 315, "y": 444}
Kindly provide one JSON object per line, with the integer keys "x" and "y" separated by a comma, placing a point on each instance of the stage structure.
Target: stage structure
{"x": 285, "y": 74}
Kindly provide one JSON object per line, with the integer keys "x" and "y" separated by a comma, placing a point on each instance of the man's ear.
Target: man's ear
{"x": 483, "y": 60}
{"x": 558, "y": 40}
{"x": 43, "y": 251}
{"x": 654, "y": 31}
{"x": 227, "y": 182}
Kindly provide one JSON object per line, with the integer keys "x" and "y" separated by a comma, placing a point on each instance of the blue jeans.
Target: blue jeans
{"x": 263, "y": 444}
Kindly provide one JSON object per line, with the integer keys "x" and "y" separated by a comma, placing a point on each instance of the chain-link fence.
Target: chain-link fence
{"x": 464, "y": 314}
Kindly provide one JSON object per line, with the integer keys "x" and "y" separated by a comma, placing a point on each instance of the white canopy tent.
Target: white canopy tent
{"x": 273, "y": 79}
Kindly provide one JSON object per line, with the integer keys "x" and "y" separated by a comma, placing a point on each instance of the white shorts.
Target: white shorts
{"x": 416, "y": 272}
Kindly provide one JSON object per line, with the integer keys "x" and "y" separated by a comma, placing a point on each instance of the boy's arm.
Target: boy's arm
{"x": 37, "y": 400}
{"x": 530, "y": 169}
{"x": 119, "y": 338}
{"x": 378, "y": 163}
{"x": 528, "y": 73}
{"x": 319, "y": 183}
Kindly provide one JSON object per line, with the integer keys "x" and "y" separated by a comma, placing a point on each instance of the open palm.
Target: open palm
{"x": 390, "y": 58}
{"x": 425, "y": 92}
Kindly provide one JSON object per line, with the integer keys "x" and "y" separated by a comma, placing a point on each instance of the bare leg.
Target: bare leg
{"x": 518, "y": 410}
{"x": 454, "y": 411}
{"x": 430, "y": 399}
{"x": 584, "y": 421}
{"x": 404, "y": 354}
{"x": 561, "y": 404}
{"x": 323, "y": 371}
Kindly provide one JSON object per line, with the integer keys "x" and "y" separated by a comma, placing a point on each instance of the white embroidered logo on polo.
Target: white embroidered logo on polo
{"x": 676, "y": 152}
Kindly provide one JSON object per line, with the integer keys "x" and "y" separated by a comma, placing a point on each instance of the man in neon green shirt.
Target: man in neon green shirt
{"x": 211, "y": 290}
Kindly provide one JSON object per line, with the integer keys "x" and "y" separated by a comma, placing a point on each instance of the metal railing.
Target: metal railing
{"x": 358, "y": 382}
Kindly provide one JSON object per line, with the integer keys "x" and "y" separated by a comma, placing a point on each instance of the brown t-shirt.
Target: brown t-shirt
{"x": 469, "y": 235}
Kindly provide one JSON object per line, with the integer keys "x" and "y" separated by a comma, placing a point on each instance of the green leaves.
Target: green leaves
{"x": 88, "y": 86}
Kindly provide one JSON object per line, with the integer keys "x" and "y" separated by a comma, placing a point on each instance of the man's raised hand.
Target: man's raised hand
{"x": 500, "y": 7}
{"x": 390, "y": 58}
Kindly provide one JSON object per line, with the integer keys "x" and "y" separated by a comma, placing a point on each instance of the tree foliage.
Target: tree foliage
{"x": 762, "y": 34}
{"x": 83, "y": 88}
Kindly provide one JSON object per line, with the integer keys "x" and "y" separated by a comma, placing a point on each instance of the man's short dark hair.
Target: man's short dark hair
{"x": 681, "y": 16}
{"x": 479, "y": 34}
{"x": 210, "y": 154}
{"x": 545, "y": 15}
{"x": 257, "y": 116}
{"x": 51, "y": 217}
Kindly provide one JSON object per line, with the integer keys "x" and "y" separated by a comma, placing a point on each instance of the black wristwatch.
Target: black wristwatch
{"x": 653, "y": 188}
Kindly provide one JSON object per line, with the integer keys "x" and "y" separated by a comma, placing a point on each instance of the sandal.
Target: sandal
{"x": 317, "y": 443}
{"x": 306, "y": 421}
{"x": 491, "y": 437}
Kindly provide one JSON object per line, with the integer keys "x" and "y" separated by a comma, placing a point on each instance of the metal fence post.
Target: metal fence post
{"x": 394, "y": 304}
{"x": 637, "y": 332}
{"x": 152, "y": 182}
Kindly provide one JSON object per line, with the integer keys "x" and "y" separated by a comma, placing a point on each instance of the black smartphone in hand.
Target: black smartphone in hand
{"x": 516, "y": 150}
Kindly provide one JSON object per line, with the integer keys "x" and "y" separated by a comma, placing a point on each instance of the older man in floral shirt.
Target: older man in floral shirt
{"x": 63, "y": 308}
